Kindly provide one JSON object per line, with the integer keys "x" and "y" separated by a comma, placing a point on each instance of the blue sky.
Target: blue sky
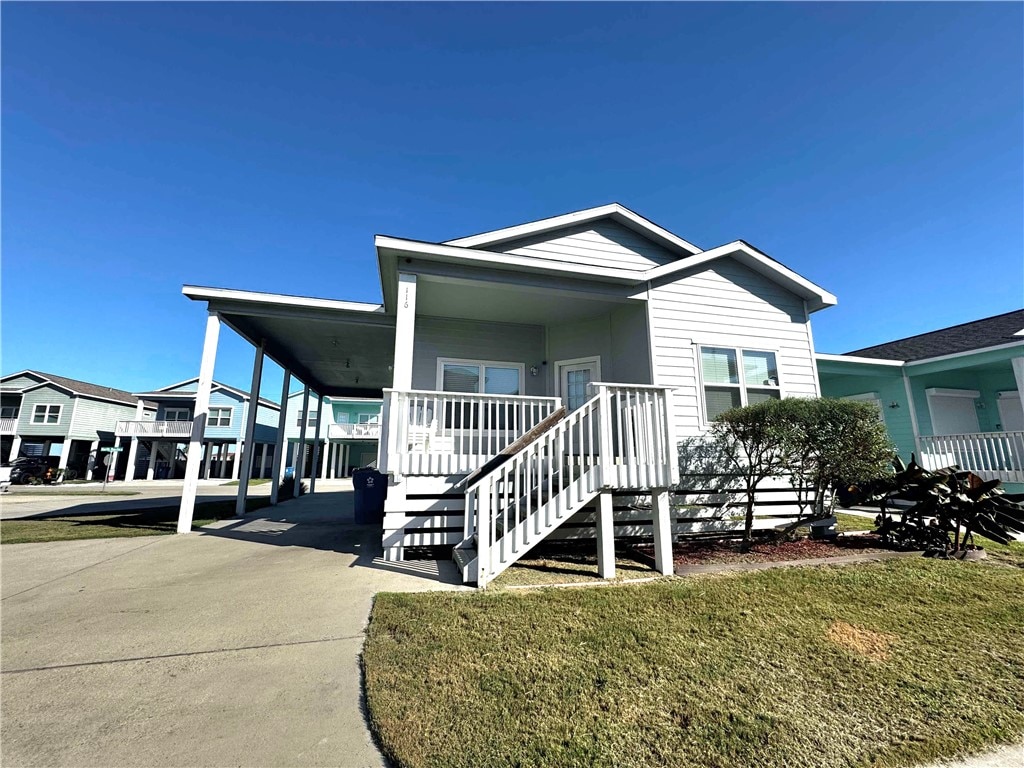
{"x": 874, "y": 148}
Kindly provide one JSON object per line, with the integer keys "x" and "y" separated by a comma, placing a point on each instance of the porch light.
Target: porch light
{"x": 533, "y": 370}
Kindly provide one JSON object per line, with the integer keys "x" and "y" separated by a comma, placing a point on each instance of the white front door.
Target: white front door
{"x": 573, "y": 377}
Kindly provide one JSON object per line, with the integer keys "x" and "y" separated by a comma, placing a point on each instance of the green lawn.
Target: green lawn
{"x": 254, "y": 481}
{"x": 140, "y": 522}
{"x": 883, "y": 664}
{"x": 61, "y": 491}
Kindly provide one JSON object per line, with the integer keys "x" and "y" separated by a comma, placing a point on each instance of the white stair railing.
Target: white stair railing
{"x": 445, "y": 433}
{"x": 639, "y": 445}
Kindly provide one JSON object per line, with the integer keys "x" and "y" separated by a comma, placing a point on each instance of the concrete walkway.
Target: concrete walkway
{"x": 236, "y": 646}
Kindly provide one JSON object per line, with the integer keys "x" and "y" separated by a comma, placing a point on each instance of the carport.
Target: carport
{"x": 333, "y": 348}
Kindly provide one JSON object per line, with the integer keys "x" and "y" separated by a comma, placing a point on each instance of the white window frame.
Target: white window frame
{"x": 220, "y": 408}
{"x": 44, "y": 421}
{"x": 868, "y": 397}
{"x": 520, "y": 367}
{"x": 169, "y": 411}
{"x": 742, "y": 385}
{"x": 370, "y": 418}
{"x": 311, "y": 418}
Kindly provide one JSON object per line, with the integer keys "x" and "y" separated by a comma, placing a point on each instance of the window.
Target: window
{"x": 9, "y": 412}
{"x": 219, "y": 417}
{"x": 312, "y": 419}
{"x": 369, "y": 418}
{"x": 480, "y": 377}
{"x": 177, "y": 414}
{"x": 725, "y": 387}
{"x": 46, "y": 414}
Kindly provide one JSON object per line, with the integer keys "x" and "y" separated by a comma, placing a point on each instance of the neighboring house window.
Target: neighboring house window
{"x": 46, "y": 414}
{"x": 736, "y": 377}
{"x": 219, "y": 417}
{"x": 9, "y": 412}
{"x": 176, "y": 414}
{"x": 310, "y": 423}
{"x": 368, "y": 418}
{"x": 480, "y": 377}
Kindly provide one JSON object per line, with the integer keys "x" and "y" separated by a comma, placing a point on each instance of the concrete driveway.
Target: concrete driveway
{"x": 238, "y": 646}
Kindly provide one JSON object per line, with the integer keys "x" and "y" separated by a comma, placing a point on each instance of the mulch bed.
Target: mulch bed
{"x": 705, "y": 552}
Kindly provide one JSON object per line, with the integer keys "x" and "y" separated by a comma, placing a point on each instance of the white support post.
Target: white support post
{"x": 151, "y": 467}
{"x": 15, "y": 448}
{"x": 222, "y": 459}
{"x": 300, "y": 449}
{"x": 605, "y": 536}
{"x": 94, "y": 459}
{"x": 203, "y": 387}
{"x": 662, "y": 531}
{"x": 344, "y": 460}
{"x": 405, "y": 329}
{"x": 236, "y": 465}
{"x": 133, "y": 456}
{"x": 316, "y": 442}
{"x": 65, "y": 453}
{"x": 1018, "y": 375}
{"x": 243, "y": 467}
{"x": 207, "y": 458}
{"x": 263, "y": 461}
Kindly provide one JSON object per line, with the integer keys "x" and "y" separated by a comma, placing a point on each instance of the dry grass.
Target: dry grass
{"x": 864, "y": 642}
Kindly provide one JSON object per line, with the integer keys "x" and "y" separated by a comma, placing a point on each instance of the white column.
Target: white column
{"x": 65, "y": 453}
{"x": 405, "y": 328}
{"x": 94, "y": 458}
{"x": 243, "y": 467}
{"x": 133, "y": 456}
{"x": 300, "y": 463}
{"x": 222, "y": 457}
{"x": 15, "y": 448}
{"x": 236, "y": 465}
{"x": 277, "y": 472}
{"x": 151, "y": 468}
{"x": 662, "y": 531}
{"x": 1018, "y": 374}
{"x": 203, "y": 387}
{"x": 263, "y": 461}
{"x": 316, "y": 441}
{"x": 605, "y": 536}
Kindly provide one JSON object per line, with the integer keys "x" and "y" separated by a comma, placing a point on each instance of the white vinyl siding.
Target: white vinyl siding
{"x": 96, "y": 419}
{"x": 598, "y": 244}
{"x": 726, "y": 305}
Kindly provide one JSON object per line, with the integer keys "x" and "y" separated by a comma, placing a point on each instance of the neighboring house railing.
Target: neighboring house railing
{"x": 353, "y": 432}
{"x": 153, "y": 429}
{"x": 990, "y": 455}
{"x": 8, "y": 426}
{"x": 443, "y": 433}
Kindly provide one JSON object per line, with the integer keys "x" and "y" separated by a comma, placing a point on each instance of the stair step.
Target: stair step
{"x": 465, "y": 558}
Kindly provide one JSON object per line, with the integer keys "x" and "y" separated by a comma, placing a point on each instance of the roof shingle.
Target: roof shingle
{"x": 966, "y": 337}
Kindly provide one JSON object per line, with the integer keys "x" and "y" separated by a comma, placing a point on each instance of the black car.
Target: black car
{"x": 27, "y": 469}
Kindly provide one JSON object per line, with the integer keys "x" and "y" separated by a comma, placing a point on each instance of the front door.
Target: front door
{"x": 573, "y": 377}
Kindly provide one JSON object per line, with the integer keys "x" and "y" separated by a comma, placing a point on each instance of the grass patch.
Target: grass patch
{"x": 853, "y": 523}
{"x": 141, "y": 522}
{"x": 883, "y": 664}
{"x": 254, "y": 481}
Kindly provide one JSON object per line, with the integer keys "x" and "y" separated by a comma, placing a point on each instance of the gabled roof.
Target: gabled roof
{"x": 994, "y": 331}
{"x": 613, "y": 211}
{"x": 76, "y": 387}
{"x": 169, "y": 391}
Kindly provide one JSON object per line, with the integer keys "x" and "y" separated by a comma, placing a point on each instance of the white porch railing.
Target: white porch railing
{"x": 990, "y": 455}
{"x": 153, "y": 429}
{"x": 8, "y": 426}
{"x": 640, "y": 447}
{"x": 446, "y": 433}
{"x": 353, "y": 432}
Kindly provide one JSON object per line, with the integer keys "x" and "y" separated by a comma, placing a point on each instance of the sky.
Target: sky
{"x": 876, "y": 149}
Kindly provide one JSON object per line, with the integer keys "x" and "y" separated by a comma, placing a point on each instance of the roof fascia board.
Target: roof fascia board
{"x": 614, "y": 211}
{"x": 776, "y": 271}
{"x": 255, "y": 309}
{"x": 202, "y": 293}
{"x": 860, "y": 360}
{"x": 968, "y": 353}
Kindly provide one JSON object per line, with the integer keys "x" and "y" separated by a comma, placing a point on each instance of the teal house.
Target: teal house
{"x": 342, "y": 434}
{"x": 951, "y": 396}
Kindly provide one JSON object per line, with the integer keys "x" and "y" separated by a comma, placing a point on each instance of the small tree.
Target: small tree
{"x": 750, "y": 440}
{"x": 826, "y": 444}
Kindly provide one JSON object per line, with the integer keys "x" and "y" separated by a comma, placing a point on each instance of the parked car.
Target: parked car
{"x": 29, "y": 468}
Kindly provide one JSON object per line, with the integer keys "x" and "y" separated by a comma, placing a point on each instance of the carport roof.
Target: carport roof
{"x": 338, "y": 348}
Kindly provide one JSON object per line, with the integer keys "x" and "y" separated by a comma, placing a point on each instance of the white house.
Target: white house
{"x": 533, "y": 375}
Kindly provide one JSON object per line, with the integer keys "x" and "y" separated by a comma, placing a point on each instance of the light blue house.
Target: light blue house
{"x": 348, "y": 435}
{"x": 159, "y": 436}
{"x": 952, "y": 396}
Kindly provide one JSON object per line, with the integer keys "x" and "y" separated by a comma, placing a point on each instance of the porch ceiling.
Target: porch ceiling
{"x": 337, "y": 348}
{"x": 443, "y": 296}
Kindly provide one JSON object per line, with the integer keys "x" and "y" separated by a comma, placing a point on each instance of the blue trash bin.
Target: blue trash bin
{"x": 289, "y": 473}
{"x": 371, "y": 488}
